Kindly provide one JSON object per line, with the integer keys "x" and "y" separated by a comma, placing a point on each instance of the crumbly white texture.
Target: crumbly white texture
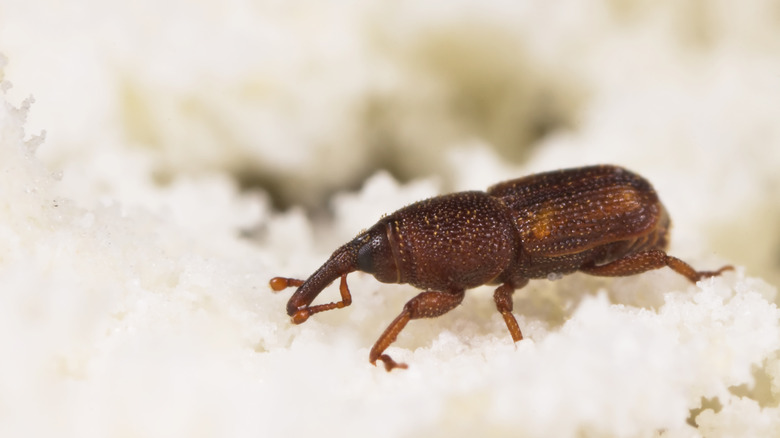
{"x": 128, "y": 308}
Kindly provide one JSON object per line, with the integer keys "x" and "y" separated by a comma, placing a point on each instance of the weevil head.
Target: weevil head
{"x": 368, "y": 252}
{"x": 375, "y": 255}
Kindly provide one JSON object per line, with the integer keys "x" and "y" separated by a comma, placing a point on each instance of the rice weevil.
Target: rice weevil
{"x": 601, "y": 220}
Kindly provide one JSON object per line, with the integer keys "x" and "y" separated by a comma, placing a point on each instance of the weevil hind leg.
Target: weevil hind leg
{"x": 691, "y": 274}
{"x": 503, "y": 298}
{"x": 429, "y": 304}
{"x": 648, "y": 260}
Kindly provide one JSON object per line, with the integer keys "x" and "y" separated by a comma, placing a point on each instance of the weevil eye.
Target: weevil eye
{"x": 376, "y": 257}
{"x": 365, "y": 258}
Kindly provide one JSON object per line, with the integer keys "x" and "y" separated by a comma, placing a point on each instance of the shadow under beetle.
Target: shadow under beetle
{"x": 600, "y": 220}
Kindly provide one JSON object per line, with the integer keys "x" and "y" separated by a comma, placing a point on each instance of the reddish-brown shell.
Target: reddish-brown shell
{"x": 571, "y": 211}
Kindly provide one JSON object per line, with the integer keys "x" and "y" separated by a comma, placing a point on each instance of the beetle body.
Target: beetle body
{"x": 602, "y": 220}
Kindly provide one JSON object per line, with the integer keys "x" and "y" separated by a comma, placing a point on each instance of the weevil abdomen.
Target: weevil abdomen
{"x": 590, "y": 215}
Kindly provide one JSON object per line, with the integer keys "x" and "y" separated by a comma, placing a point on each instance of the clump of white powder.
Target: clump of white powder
{"x": 134, "y": 270}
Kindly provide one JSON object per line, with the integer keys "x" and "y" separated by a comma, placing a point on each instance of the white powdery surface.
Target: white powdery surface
{"x": 125, "y": 322}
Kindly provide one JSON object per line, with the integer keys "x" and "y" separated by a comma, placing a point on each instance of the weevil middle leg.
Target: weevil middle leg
{"x": 503, "y": 298}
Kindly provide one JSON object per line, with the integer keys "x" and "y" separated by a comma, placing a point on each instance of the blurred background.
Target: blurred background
{"x": 299, "y": 100}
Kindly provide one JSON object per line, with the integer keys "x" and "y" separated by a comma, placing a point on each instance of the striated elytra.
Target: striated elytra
{"x": 601, "y": 220}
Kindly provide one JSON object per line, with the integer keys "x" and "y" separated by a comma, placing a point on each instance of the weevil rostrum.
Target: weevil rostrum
{"x": 601, "y": 220}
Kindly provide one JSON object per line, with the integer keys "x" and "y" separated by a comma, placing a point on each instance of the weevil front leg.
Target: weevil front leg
{"x": 429, "y": 304}
{"x": 302, "y": 314}
{"x": 649, "y": 260}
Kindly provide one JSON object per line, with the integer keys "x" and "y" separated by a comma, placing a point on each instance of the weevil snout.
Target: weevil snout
{"x": 370, "y": 252}
{"x": 343, "y": 261}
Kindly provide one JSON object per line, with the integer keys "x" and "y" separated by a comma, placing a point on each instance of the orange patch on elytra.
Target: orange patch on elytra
{"x": 542, "y": 224}
{"x": 630, "y": 196}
